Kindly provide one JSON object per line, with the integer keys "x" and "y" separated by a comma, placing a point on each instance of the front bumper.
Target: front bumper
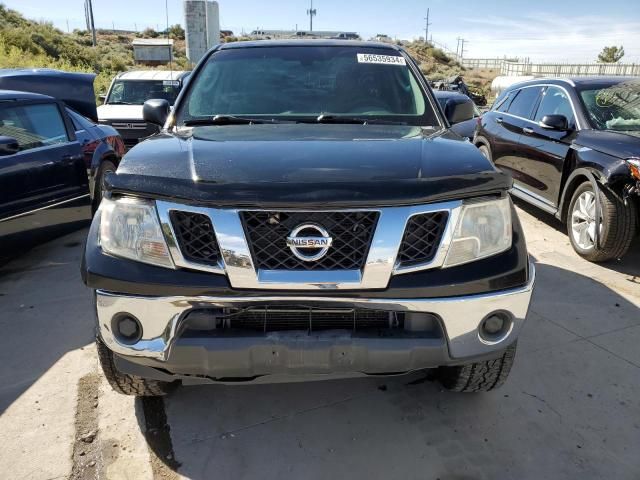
{"x": 162, "y": 319}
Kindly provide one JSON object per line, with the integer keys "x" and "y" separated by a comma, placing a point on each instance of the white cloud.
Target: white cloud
{"x": 547, "y": 38}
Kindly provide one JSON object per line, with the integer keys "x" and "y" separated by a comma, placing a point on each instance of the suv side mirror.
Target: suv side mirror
{"x": 103, "y": 97}
{"x": 156, "y": 111}
{"x": 8, "y": 146}
{"x": 555, "y": 122}
{"x": 458, "y": 110}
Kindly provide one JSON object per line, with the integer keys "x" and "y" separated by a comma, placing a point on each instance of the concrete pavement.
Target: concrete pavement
{"x": 570, "y": 408}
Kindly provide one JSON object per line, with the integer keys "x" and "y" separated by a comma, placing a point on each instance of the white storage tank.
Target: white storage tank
{"x": 502, "y": 82}
{"x": 202, "y": 27}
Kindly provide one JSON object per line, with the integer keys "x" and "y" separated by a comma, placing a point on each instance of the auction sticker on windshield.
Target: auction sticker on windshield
{"x": 381, "y": 59}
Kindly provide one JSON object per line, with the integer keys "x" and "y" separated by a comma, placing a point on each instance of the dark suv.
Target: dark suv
{"x": 305, "y": 213}
{"x": 573, "y": 149}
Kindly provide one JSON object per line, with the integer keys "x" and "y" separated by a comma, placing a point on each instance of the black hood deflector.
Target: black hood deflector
{"x": 307, "y": 165}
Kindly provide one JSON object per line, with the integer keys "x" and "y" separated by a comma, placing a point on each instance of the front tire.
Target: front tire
{"x": 106, "y": 166}
{"x": 129, "y": 384}
{"x": 617, "y": 224}
{"x": 484, "y": 150}
{"x": 479, "y": 376}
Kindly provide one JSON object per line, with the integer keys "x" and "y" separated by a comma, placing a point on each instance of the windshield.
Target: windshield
{"x": 615, "y": 107}
{"x": 136, "y": 92}
{"x": 302, "y": 83}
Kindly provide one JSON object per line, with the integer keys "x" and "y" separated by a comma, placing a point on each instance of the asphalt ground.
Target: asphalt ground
{"x": 570, "y": 409}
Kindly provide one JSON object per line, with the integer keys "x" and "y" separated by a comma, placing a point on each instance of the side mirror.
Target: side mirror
{"x": 156, "y": 111}
{"x": 103, "y": 97}
{"x": 8, "y": 146}
{"x": 555, "y": 122}
{"x": 458, "y": 110}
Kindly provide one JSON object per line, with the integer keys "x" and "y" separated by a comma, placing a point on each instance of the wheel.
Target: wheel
{"x": 617, "y": 224}
{"x": 484, "y": 150}
{"x": 129, "y": 384}
{"x": 105, "y": 167}
{"x": 480, "y": 376}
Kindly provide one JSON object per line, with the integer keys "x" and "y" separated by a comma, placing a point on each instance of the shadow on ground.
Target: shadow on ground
{"x": 46, "y": 312}
{"x": 568, "y": 410}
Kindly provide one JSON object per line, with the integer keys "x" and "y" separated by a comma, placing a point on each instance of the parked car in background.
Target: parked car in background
{"x": 450, "y": 100}
{"x": 122, "y": 108}
{"x": 573, "y": 149}
{"x": 47, "y": 147}
{"x": 456, "y": 83}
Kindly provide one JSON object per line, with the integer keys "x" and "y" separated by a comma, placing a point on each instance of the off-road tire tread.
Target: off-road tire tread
{"x": 129, "y": 384}
{"x": 621, "y": 229}
{"x": 97, "y": 194}
{"x": 479, "y": 376}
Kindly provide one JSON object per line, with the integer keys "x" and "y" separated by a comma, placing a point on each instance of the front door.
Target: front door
{"x": 544, "y": 150}
{"x": 47, "y": 170}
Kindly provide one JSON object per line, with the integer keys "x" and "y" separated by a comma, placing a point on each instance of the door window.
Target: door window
{"x": 502, "y": 103}
{"x": 555, "y": 102}
{"x": 525, "y": 101}
{"x": 33, "y": 126}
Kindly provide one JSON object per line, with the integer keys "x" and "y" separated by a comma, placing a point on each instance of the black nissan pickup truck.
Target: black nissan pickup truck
{"x": 306, "y": 213}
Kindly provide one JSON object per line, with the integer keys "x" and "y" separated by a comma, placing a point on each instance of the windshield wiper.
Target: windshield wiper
{"x": 325, "y": 118}
{"x": 118, "y": 102}
{"x": 226, "y": 120}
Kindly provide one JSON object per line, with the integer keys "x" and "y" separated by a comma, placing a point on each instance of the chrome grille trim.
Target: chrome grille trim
{"x": 380, "y": 265}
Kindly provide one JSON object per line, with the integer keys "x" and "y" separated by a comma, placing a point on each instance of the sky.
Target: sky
{"x": 542, "y": 30}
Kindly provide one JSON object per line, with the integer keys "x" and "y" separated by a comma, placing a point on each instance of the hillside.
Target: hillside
{"x": 26, "y": 43}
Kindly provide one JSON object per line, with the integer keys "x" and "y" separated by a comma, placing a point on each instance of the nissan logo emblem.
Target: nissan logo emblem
{"x": 309, "y": 248}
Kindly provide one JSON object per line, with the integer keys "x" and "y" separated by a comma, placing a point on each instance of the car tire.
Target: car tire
{"x": 479, "y": 376}
{"x": 130, "y": 384}
{"x": 618, "y": 224}
{"x": 484, "y": 150}
{"x": 106, "y": 166}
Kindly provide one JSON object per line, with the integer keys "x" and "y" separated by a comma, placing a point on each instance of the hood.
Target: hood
{"x": 288, "y": 164}
{"x": 120, "y": 112}
{"x": 617, "y": 144}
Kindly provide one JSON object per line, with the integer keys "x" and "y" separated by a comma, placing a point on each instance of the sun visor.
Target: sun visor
{"x": 74, "y": 89}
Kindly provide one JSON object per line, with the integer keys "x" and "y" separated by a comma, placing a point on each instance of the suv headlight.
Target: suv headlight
{"x": 483, "y": 229}
{"x": 129, "y": 228}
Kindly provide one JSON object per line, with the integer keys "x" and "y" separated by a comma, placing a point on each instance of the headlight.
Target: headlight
{"x": 129, "y": 228}
{"x": 634, "y": 166}
{"x": 483, "y": 229}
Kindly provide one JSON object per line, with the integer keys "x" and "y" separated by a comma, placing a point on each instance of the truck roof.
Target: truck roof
{"x": 6, "y": 95}
{"x": 153, "y": 75}
{"x": 320, "y": 42}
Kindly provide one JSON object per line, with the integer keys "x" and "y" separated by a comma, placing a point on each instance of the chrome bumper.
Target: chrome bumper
{"x": 161, "y": 317}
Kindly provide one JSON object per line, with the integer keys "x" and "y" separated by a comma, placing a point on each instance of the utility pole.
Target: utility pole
{"x": 426, "y": 28}
{"x": 68, "y": 26}
{"x": 462, "y": 40}
{"x": 312, "y": 13}
{"x": 458, "y": 47}
{"x": 90, "y": 24}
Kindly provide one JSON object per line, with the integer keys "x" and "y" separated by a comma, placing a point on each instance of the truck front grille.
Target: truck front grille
{"x": 195, "y": 236}
{"x": 271, "y": 319}
{"x": 351, "y": 232}
{"x": 421, "y": 239}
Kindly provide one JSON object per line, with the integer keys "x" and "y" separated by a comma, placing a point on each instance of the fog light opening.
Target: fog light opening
{"x": 127, "y": 328}
{"x": 495, "y": 327}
